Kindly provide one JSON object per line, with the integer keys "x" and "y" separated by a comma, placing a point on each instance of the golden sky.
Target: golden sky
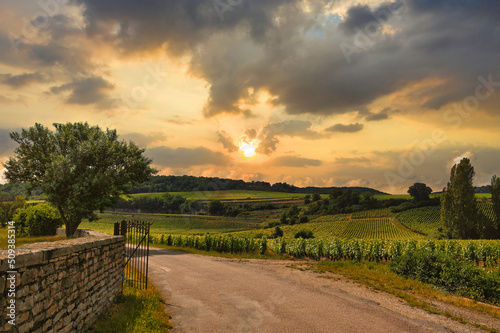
{"x": 312, "y": 93}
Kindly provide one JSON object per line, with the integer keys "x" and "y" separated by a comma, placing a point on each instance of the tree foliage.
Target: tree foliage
{"x": 419, "y": 192}
{"x": 495, "y": 198}
{"x": 459, "y": 212}
{"x": 37, "y": 220}
{"x": 79, "y": 168}
{"x": 8, "y": 207}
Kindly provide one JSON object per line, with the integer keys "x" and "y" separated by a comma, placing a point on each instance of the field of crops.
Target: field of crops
{"x": 424, "y": 220}
{"x": 178, "y": 224}
{"x": 480, "y": 252}
{"x": 374, "y": 213}
{"x": 487, "y": 210}
{"x": 485, "y": 252}
{"x": 427, "y": 220}
{"x": 228, "y": 195}
{"x": 378, "y": 228}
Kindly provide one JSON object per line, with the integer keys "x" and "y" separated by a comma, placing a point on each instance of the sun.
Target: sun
{"x": 248, "y": 148}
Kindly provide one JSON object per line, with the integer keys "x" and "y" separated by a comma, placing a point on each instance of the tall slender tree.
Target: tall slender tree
{"x": 459, "y": 212}
{"x": 495, "y": 198}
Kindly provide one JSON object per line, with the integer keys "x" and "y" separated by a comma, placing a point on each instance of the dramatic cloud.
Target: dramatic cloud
{"x": 251, "y": 133}
{"x": 350, "y": 128}
{"x": 381, "y": 115}
{"x": 144, "y": 140}
{"x": 226, "y": 141}
{"x": 268, "y": 140}
{"x": 350, "y": 160}
{"x": 186, "y": 157}
{"x": 19, "y": 81}
{"x": 293, "y": 161}
{"x": 91, "y": 90}
{"x": 396, "y": 67}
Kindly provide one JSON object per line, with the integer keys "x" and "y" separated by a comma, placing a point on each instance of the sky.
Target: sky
{"x": 312, "y": 93}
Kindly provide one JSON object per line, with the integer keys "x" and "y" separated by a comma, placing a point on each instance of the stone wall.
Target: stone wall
{"x": 62, "y": 286}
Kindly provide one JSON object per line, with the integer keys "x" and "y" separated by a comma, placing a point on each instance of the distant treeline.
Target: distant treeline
{"x": 191, "y": 183}
{"x": 19, "y": 189}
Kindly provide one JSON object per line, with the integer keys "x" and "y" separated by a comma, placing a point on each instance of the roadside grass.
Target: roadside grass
{"x": 136, "y": 311}
{"x": 25, "y": 239}
{"x": 379, "y": 277}
{"x": 376, "y": 276}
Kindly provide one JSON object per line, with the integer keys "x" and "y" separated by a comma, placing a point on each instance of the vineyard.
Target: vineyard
{"x": 477, "y": 251}
{"x": 424, "y": 220}
{"x": 486, "y": 210}
{"x": 378, "y": 228}
{"x": 480, "y": 252}
{"x": 427, "y": 220}
{"x": 178, "y": 224}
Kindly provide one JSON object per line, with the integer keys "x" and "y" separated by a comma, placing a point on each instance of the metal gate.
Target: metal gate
{"x": 136, "y": 251}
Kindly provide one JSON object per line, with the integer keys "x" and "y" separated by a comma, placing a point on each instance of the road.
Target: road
{"x": 208, "y": 294}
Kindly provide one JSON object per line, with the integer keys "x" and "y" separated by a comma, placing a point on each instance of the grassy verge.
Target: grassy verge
{"x": 25, "y": 239}
{"x": 137, "y": 311}
{"x": 379, "y": 277}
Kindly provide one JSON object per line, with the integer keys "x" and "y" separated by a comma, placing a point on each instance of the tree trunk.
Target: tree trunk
{"x": 71, "y": 228}
{"x": 71, "y": 225}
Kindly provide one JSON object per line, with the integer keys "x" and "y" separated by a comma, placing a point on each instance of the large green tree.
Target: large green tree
{"x": 79, "y": 168}
{"x": 459, "y": 212}
{"x": 419, "y": 192}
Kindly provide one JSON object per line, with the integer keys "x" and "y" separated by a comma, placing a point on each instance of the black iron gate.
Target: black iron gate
{"x": 136, "y": 251}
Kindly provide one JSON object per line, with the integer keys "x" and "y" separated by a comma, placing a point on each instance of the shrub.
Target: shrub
{"x": 263, "y": 246}
{"x": 450, "y": 273}
{"x": 303, "y": 219}
{"x": 304, "y": 234}
{"x": 402, "y": 207}
{"x": 38, "y": 220}
{"x": 277, "y": 233}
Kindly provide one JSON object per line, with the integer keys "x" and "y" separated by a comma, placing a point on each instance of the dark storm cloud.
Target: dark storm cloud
{"x": 296, "y": 55}
{"x": 350, "y": 128}
{"x": 293, "y": 161}
{"x": 19, "y": 81}
{"x": 85, "y": 91}
{"x": 177, "y": 25}
{"x": 186, "y": 157}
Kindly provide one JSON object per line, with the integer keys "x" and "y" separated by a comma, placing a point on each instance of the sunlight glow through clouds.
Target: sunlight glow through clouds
{"x": 248, "y": 147}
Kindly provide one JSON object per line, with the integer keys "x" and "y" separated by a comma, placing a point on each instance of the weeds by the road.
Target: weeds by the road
{"x": 379, "y": 277}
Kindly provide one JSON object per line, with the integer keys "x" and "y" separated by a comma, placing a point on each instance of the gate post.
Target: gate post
{"x": 117, "y": 229}
{"x": 124, "y": 228}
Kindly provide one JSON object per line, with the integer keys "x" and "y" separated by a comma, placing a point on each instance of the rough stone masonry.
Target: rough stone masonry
{"x": 61, "y": 286}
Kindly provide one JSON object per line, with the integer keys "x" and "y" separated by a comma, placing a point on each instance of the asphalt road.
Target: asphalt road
{"x": 208, "y": 294}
